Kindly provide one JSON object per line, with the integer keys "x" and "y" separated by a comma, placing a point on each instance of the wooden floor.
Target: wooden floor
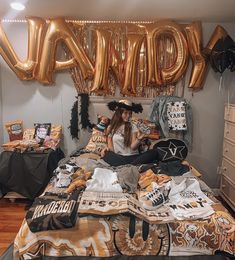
{"x": 11, "y": 217}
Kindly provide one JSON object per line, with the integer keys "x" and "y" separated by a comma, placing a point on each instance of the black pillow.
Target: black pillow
{"x": 171, "y": 150}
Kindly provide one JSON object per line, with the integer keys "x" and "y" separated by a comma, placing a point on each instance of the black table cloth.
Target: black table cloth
{"x": 27, "y": 173}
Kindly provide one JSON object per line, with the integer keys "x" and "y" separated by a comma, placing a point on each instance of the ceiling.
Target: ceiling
{"x": 179, "y": 10}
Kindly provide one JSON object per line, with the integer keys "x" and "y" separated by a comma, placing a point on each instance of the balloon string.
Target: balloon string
{"x": 220, "y": 82}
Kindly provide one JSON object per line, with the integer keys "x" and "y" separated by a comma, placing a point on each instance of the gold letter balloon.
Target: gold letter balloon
{"x": 133, "y": 53}
{"x": 24, "y": 70}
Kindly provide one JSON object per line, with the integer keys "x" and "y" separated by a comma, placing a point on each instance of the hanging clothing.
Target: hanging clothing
{"x": 176, "y": 115}
{"x": 163, "y": 111}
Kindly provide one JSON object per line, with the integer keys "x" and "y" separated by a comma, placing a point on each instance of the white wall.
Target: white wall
{"x": 208, "y": 113}
{"x": 33, "y": 102}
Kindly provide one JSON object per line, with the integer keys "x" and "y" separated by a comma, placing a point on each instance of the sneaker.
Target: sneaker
{"x": 154, "y": 199}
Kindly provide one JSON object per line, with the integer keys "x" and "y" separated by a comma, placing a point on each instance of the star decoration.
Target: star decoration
{"x": 171, "y": 152}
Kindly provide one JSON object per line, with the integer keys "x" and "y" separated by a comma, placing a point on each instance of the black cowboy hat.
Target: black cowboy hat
{"x": 126, "y": 104}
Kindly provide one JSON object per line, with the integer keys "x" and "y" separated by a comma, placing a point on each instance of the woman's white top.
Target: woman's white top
{"x": 118, "y": 141}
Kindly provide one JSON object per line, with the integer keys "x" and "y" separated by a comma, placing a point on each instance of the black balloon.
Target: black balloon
{"x": 223, "y": 55}
{"x": 231, "y": 58}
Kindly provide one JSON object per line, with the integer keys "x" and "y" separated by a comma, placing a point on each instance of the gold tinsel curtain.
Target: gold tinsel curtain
{"x": 166, "y": 52}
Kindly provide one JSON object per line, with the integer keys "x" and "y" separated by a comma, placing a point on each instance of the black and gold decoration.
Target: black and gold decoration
{"x": 84, "y": 115}
{"x": 135, "y": 241}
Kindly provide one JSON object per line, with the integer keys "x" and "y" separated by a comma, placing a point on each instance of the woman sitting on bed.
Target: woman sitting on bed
{"x": 124, "y": 138}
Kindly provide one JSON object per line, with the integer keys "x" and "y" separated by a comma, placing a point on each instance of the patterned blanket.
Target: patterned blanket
{"x": 127, "y": 235}
{"x": 114, "y": 224}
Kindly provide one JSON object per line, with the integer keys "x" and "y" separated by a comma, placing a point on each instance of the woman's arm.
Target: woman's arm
{"x": 110, "y": 143}
{"x": 109, "y": 146}
{"x": 109, "y": 139}
{"x": 136, "y": 139}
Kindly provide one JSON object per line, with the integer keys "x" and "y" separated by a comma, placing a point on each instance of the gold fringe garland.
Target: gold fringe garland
{"x": 166, "y": 52}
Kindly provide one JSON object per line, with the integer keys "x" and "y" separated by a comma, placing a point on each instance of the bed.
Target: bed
{"x": 124, "y": 228}
{"x": 116, "y": 225}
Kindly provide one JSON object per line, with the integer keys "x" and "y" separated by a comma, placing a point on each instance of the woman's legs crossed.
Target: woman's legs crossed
{"x": 150, "y": 156}
{"x": 115, "y": 159}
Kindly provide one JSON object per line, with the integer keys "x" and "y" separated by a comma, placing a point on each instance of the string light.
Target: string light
{"x": 80, "y": 21}
{"x": 14, "y": 21}
{"x": 106, "y": 21}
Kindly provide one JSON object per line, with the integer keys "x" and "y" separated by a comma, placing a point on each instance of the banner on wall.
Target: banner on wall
{"x": 135, "y": 56}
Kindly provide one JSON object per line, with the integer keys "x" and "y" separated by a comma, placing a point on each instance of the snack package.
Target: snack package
{"x": 15, "y": 130}
{"x": 11, "y": 146}
{"x": 28, "y": 145}
{"x": 53, "y": 140}
{"x": 56, "y": 132}
{"x": 29, "y": 134}
{"x": 51, "y": 143}
{"x": 41, "y": 132}
{"x": 147, "y": 127}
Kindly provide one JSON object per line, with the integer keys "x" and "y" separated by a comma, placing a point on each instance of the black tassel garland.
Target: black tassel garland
{"x": 85, "y": 122}
{"x": 74, "y": 129}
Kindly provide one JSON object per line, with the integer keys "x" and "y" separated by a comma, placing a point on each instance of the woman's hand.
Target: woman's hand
{"x": 104, "y": 151}
{"x": 140, "y": 135}
{"x": 137, "y": 137}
